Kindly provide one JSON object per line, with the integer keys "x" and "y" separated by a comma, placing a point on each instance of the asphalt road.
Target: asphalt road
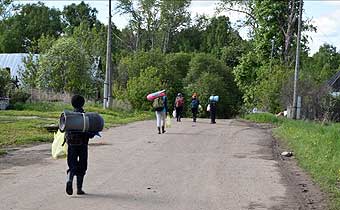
{"x": 223, "y": 166}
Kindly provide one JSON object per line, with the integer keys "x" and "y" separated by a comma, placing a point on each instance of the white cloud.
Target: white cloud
{"x": 327, "y": 31}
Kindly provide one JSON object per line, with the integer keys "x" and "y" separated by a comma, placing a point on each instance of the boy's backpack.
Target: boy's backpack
{"x": 194, "y": 104}
{"x": 158, "y": 104}
{"x": 179, "y": 102}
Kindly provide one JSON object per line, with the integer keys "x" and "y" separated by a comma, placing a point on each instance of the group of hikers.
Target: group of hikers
{"x": 77, "y": 151}
{"x": 160, "y": 106}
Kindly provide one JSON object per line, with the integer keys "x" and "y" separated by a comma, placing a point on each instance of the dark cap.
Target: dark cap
{"x": 77, "y": 101}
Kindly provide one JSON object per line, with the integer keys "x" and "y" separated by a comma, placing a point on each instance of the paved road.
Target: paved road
{"x": 226, "y": 166}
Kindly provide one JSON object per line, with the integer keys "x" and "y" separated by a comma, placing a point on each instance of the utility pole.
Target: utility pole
{"x": 271, "y": 56}
{"x": 108, "y": 74}
{"x": 297, "y": 62}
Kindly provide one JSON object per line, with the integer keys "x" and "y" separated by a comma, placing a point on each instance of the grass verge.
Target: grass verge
{"x": 25, "y": 124}
{"x": 316, "y": 147}
{"x": 2, "y": 152}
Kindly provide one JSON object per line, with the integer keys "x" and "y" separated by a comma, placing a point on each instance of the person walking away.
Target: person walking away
{"x": 77, "y": 153}
{"x": 160, "y": 106}
{"x": 213, "y": 108}
{"x": 194, "y": 106}
{"x": 179, "y": 104}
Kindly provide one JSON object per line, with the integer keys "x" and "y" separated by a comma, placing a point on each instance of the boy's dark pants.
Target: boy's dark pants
{"x": 77, "y": 161}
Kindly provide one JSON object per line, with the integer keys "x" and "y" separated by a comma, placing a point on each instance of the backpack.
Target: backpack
{"x": 194, "y": 104}
{"x": 158, "y": 104}
{"x": 179, "y": 102}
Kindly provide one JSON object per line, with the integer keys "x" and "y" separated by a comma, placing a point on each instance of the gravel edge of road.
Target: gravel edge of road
{"x": 305, "y": 191}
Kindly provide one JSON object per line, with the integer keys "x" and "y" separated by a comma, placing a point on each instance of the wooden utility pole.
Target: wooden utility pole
{"x": 297, "y": 63}
{"x": 108, "y": 74}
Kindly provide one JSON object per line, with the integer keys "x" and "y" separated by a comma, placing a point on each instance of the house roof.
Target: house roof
{"x": 333, "y": 79}
{"x": 14, "y": 61}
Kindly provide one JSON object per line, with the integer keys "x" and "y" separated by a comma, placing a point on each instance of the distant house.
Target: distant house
{"x": 14, "y": 62}
{"x": 334, "y": 84}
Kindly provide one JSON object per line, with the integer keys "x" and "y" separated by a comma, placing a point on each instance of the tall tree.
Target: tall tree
{"x": 74, "y": 14}
{"x": 174, "y": 15}
{"x": 271, "y": 21}
{"x": 135, "y": 23}
{"x": 66, "y": 68}
{"x": 25, "y": 28}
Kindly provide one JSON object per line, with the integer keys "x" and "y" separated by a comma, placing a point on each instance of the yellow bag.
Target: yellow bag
{"x": 168, "y": 122}
{"x": 58, "y": 149}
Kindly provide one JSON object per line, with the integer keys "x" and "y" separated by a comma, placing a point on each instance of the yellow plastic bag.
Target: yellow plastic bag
{"x": 58, "y": 149}
{"x": 168, "y": 122}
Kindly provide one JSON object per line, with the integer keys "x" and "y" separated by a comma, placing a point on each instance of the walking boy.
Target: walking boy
{"x": 77, "y": 152}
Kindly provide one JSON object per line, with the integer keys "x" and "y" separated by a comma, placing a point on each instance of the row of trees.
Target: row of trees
{"x": 162, "y": 47}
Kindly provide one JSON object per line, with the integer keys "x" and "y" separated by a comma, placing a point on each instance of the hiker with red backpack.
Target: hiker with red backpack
{"x": 179, "y": 104}
{"x": 160, "y": 106}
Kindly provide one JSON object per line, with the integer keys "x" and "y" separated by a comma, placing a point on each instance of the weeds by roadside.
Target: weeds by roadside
{"x": 316, "y": 147}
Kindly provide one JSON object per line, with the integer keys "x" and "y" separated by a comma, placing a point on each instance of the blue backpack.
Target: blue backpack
{"x": 194, "y": 103}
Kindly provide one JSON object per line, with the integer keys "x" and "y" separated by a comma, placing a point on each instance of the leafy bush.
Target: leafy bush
{"x": 5, "y": 81}
{"x": 18, "y": 96}
{"x": 138, "y": 87}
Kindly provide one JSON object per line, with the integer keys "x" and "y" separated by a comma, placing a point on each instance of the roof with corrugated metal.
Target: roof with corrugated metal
{"x": 14, "y": 61}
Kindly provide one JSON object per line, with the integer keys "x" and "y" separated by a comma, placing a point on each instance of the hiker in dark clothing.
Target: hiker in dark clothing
{"x": 77, "y": 152}
{"x": 213, "y": 112}
{"x": 213, "y": 108}
{"x": 194, "y": 106}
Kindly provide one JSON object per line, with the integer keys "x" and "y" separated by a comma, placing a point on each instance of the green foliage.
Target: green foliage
{"x": 75, "y": 14}
{"x": 65, "y": 67}
{"x": 18, "y": 95}
{"x": 264, "y": 118}
{"x": 132, "y": 65}
{"x": 219, "y": 37}
{"x": 201, "y": 63}
{"x": 322, "y": 65}
{"x": 5, "y": 82}
{"x": 139, "y": 87}
{"x": 29, "y": 74}
{"x": 208, "y": 76}
{"x": 22, "y": 30}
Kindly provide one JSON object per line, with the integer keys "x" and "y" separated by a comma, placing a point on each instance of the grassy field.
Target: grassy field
{"x": 316, "y": 147}
{"x": 25, "y": 124}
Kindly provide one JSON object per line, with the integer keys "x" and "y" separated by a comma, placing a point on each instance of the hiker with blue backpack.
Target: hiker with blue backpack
{"x": 194, "y": 106}
{"x": 160, "y": 106}
{"x": 213, "y": 108}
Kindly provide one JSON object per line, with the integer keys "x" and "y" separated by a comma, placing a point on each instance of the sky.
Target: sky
{"x": 323, "y": 14}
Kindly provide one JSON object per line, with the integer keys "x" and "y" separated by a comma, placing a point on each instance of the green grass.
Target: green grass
{"x": 317, "y": 149}
{"x": 2, "y": 152}
{"x": 263, "y": 118}
{"x": 25, "y": 124}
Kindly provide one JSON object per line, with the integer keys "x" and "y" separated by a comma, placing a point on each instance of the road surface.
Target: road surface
{"x": 202, "y": 166}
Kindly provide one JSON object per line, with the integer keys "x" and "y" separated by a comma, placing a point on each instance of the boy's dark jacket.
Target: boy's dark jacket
{"x": 77, "y": 137}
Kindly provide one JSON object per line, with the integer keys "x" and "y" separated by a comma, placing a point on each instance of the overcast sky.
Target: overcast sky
{"x": 324, "y": 15}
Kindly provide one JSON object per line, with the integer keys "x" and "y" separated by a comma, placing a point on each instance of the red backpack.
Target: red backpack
{"x": 179, "y": 102}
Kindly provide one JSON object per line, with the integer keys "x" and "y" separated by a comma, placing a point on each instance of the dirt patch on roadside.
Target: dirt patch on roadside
{"x": 24, "y": 155}
{"x": 307, "y": 193}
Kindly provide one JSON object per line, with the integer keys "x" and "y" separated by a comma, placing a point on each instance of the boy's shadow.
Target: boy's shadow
{"x": 121, "y": 197}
